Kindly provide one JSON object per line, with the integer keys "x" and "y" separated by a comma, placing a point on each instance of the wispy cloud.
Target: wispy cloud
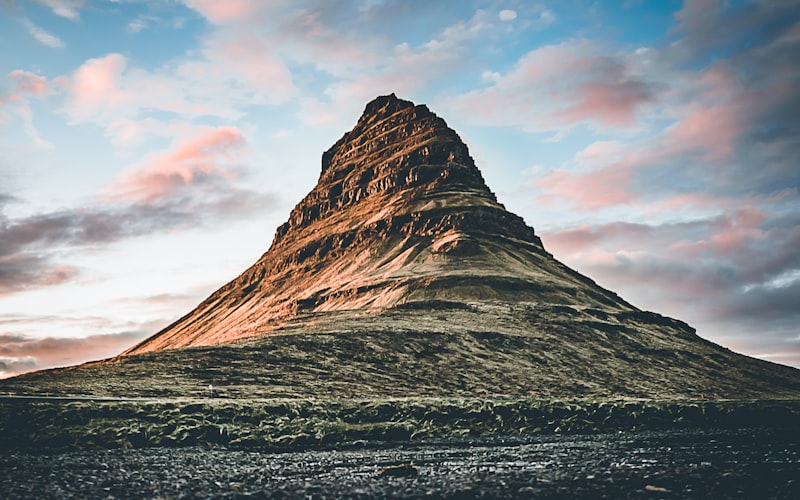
{"x": 739, "y": 267}
{"x": 228, "y": 76}
{"x": 558, "y": 86}
{"x": 20, "y": 353}
{"x": 228, "y": 11}
{"x": 193, "y": 184}
{"x": 64, "y": 8}
{"x": 25, "y": 86}
{"x": 195, "y": 163}
{"x": 42, "y": 36}
{"x": 30, "y": 248}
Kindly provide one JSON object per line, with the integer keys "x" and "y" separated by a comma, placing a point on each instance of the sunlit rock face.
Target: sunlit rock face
{"x": 400, "y": 215}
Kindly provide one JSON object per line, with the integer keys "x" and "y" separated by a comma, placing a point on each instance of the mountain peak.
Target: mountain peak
{"x": 383, "y": 106}
{"x": 395, "y": 146}
{"x": 400, "y": 274}
{"x": 400, "y": 215}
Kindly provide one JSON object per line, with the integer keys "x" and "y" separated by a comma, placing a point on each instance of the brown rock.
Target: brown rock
{"x": 400, "y": 214}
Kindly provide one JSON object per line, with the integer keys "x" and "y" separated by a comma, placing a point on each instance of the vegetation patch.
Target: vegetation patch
{"x": 284, "y": 425}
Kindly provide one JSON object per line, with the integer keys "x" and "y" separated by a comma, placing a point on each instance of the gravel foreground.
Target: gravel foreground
{"x": 748, "y": 463}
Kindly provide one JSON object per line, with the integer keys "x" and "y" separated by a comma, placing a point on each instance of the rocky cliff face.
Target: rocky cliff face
{"x": 400, "y": 215}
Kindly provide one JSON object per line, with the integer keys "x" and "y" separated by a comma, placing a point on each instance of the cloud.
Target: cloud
{"x": 25, "y": 85}
{"x": 507, "y": 15}
{"x": 403, "y": 69}
{"x": 231, "y": 74}
{"x": 737, "y": 268}
{"x": 42, "y": 36}
{"x": 20, "y": 353}
{"x": 228, "y": 11}
{"x": 28, "y": 83}
{"x": 706, "y": 29}
{"x": 20, "y": 272}
{"x": 598, "y": 189}
{"x": 29, "y": 245}
{"x": 722, "y": 131}
{"x": 95, "y": 89}
{"x": 194, "y": 163}
{"x": 243, "y": 59}
{"x": 193, "y": 184}
{"x": 559, "y": 86}
{"x": 64, "y": 8}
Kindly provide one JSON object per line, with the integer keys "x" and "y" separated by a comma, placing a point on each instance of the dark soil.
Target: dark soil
{"x": 752, "y": 463}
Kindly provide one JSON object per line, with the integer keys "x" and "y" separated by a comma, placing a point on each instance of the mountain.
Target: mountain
{"x": 400, "y": 216}
{"x": 401, "y": 274}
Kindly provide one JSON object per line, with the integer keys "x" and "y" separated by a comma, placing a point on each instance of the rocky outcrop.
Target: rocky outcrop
{"x": 400, "y": 215}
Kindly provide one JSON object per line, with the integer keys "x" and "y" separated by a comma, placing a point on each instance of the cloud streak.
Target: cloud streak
{"x": 556, "y": 87}
{"x": 196, "y": 163}
{"x": 64, "y": 8}
{"x": 738, "y": 268}
{"x": 182, "y": 188}
{"x": 42, "y": 36}
{"x": 16, "y": 102}
{"x": 20, "y": 353}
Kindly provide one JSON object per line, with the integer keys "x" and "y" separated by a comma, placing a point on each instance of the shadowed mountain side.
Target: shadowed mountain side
{"x": 441, "y": 349}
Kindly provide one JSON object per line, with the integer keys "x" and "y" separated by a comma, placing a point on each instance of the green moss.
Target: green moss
{"x": 292, "y": 424}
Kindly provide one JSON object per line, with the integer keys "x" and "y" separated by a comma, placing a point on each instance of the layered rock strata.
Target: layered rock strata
{"x": 400, "y": 215}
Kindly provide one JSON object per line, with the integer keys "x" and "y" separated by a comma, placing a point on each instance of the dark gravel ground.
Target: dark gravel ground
{"x": 751, "y": 463}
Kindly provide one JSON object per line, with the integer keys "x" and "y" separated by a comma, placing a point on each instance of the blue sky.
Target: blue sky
{"x": 149, "y": 149}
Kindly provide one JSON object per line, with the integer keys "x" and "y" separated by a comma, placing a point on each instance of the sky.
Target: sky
{"x": 149, "y": 148}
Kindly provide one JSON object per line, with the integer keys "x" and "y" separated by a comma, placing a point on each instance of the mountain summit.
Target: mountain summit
{"x": 400, "y": 215}
{"x": 401, "y": 275}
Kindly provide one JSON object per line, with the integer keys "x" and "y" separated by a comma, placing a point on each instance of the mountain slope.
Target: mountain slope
{"x": 400, "y": 274}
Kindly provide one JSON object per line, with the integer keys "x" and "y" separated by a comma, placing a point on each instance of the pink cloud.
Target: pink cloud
{"x": 29, "y": 83}
{"x": 728, "y": 235}
{"x": 26, "y": 85}
{"x": 96, "y": 91}
{"x": 232, "y": 72}
{"x": 712, "y": 129}
{"x": 588, "y": 191}
{"x": 601, "y": 152}
{"x": 558, "y": 86}
{"x": 245, "y": 58}
{"x": 192, "y": 163}
{"x": 225, "y": 12}
{"x": 20, "y": 354}
{"x": 610, "y": 103}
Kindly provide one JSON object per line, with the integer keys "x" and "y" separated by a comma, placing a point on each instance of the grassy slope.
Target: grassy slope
{"x": 443, "y": 371}
{"x": 450, "y": 351}
{"x": 294, "y": 424}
